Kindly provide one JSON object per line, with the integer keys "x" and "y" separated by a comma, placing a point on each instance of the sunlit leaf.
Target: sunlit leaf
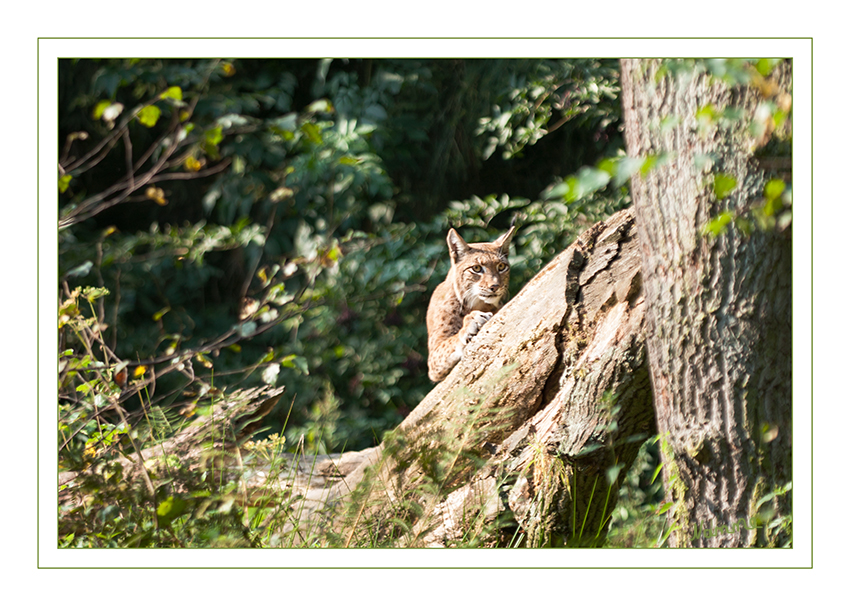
{"x": 97, "y": 112}
{"x": 626, "y": 167}
{"x": 312, "y": 131}
{"x": 80, "y": 270}
{"x": 559, "y": 191}
{"x": 281, "y": 193}
{"x": 156, "y": 194}
{"x": 64, "y": 182}
{"x": 320, "y": 105}
{"x": 655, "y": 474}
{"x": 718, "y": 224}
{"x": 706, "y": 114}
{"x": 170, "y": 509}
{"x": 613, "y": 472}
{"x": 648, "y": 164}
{"x": 769, "y": 433}
{"x": 724, "y": 184}
{"x": 765, "y": 66}
{"x": 293, "y": 361}
{"x": 774, "y": 189}
{"x": 192, "y": 164}
{"x": 213, "y": 136}
{"x": 172, "y": 92}
{"x": 149, "y": 115}
{"x": 270, "y": 373}
{"x": 205, "y": 361}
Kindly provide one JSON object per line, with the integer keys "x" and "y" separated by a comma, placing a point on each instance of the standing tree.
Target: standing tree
{"x": 715, "y": 242}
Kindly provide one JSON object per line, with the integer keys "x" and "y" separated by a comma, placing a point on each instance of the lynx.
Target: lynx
{"x": 471, "y": 293}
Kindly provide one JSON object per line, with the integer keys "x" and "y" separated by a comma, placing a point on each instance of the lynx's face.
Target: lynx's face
{"x": 483, "y": 277}
{"x": 481, "y": 271}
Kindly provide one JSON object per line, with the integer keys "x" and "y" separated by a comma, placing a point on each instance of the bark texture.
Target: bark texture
{"x": 718, "y": 312}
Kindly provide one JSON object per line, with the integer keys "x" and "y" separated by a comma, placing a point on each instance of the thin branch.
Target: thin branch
{"x": 128, "y": 156}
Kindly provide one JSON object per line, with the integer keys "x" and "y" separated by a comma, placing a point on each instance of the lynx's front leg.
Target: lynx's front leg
{"x": 445, "y": 356}
{"x": 472, "y": 323}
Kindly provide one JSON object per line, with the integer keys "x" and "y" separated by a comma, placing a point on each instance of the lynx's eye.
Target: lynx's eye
{"x": 476, "y": 269}
{"x": 502, "y": 267}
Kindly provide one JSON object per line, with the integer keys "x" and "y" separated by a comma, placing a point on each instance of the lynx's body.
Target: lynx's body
{"x": 471, "y": 293}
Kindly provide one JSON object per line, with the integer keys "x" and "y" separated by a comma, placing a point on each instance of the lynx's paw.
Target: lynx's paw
{"x": 472, "y": 323}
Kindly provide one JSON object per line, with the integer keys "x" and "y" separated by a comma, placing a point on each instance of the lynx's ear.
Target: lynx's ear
{"x": 457, "y": 246}
{"x": 504, "y": 241}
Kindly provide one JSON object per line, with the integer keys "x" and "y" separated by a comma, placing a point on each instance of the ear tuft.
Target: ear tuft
{"x": 504, "y": 241}
{"x": 457, "y": 245}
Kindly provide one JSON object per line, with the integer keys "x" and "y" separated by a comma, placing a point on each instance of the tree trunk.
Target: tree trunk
{"x": 718, "y": 313}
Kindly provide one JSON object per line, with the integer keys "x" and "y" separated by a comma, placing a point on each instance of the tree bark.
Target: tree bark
{"x": 718, "y": 312}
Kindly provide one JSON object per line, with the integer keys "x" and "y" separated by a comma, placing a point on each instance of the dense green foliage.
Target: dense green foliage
{"x": 321, "y": 191}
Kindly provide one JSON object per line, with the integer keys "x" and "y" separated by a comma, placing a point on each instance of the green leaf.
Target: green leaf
{"x": 724, "y": 184}
{"x": 613, "y": 472}
{"x": 320, "y": 105}
{"x": 213, "y": 135}
{"x": 172, "y": 92}
{"x": 293, "y": 361}
{"x": 80, "y": 270}
{"x": 626, "y": 168}
{"x": 706, "y": 115}
{"x": 559, "y": 191}
{"x": 584, "y": 183}
{"x": 312, "y": 131}
{"x": 169, "y": 510}
{"x": 774, "y": 189}
{"x": 64, "y": 181}
{"x": 349, "y": 161}
{"x": 158, "y": 315}
{"x": 648, "y": 164}
{"x": 98, "y": 110}
{"x": 657, "y": 471}
{"x": 270, "y": 373}
{"x": 784, "y": 220}
{"x": 765, "y": 66}
{"x": 664, "y": 508}
{"x": 591, "y": 180}
{"x": 718, "y": 224}
{"x": 149, "y": 115}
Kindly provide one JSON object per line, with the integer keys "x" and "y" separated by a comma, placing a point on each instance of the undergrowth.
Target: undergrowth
{"x": 190, "y": 471}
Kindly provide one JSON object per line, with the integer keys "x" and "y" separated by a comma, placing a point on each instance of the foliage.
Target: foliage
{"x": 270, "y": 188}
{"x": 767, "y": 126}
